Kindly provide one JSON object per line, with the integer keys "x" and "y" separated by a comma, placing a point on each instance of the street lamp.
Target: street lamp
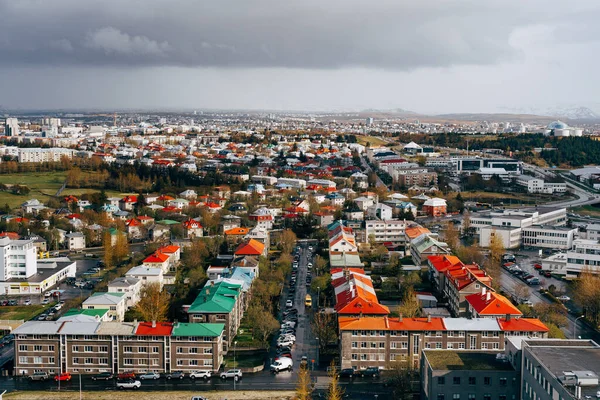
{"x": 318, "y": 297}
{"x": 317, "y": 352}
{"x": 575, "y": 326}
{"x": 235, "y": 378}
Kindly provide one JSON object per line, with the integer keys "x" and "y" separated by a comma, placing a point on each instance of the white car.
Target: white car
{"x": 564, "y": 298}
{"x": 289, "y": 304}
{"x": 232, "y": 373}
{"x": 285, "y": 343}
{"x": 310, "y": 248}
{"x": 200, "y": 374}
{"x": 150, "y": 375}
{"x": 282, "y": 364}
{"x": 131, "y": 384}
{"x": 27, "y": 302}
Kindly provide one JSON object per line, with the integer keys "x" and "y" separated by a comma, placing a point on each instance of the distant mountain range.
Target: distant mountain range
{"x": 573, "y": 113}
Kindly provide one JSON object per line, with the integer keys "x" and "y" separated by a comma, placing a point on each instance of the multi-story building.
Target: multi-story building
{"x": 17, "y": 259}
{"x": 489, "y": 304}
{"x": 115, "y": 303}
{"x": 75, "y": 241}
{"x": 128, "y": 285}
{"x": 378, "y": 341}
{"x": 219, "y": 303}
{"x": 585, "y": 255}
{"x": 435, "y": 207}
{"x": 452, "y": 374}
{"x": 559, "y": 369}
{"x": 415, "y": 177}
{"x": 424, "y": 246}
{"x": 92, "y": 347}
{"x": 549, "y": 237}
{"x": 384, "y": 231}
{"x": 41, "y": 155}
{"x": 470, "y": 165}
{"x": 461, "y": 281}
{"x": 11, "y": 127}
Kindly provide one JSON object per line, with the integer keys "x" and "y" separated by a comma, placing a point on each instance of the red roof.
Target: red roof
{"x": 169, "y": 208}
{"x": 10, "y": 235}
{"x": 157, "y": 257}
{"x": 165, "y": 197}
{"x": 442, "y": 262}
{"x": 210, "y": 204}
{"x": 133, "y": 222}
{"x": 492, "y": 303}
{"x": 191, "y": 224}
{"x": 129, "y": 199}
{"x": 522, "y": 325}
{"x": 170, "y": 249}
{"x": 161, "y": 329}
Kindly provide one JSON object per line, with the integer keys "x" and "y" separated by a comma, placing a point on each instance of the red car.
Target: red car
{"x": 65, "y": 376}
{"x": 126, "y": 375}
{"x": 537, "y": 266}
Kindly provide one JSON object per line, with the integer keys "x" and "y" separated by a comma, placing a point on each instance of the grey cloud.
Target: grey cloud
{"x": 390, "y": 34}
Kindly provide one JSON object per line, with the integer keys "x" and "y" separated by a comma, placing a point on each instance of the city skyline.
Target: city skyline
{"x": 432, "y": 57}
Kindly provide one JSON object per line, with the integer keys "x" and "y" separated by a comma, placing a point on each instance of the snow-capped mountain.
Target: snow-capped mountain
{"x": 559, "y": 112}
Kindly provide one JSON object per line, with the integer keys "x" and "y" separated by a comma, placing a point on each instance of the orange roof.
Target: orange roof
{"x": 237, "y": 231}
{"x": 170, "y": 249}
{"x": 190, "y": 223}
{"x": 165, "y": 197}
{"x": 129, "y": 199}
{"x": 492, "y": 303}
{"x": 415, "y": 231}
{"x": 443, "y": 262}
{"x": 522, "y": 325}
{"x": 390, "y": 324}
{"x": 10, "y": 235}
{"x": 250, "y": 248}
{"x": 133, "y": 222}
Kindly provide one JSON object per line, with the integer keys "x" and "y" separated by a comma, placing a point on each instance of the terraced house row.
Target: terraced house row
{"x": 369, "y": 337}
{"x": 92, "y": 347}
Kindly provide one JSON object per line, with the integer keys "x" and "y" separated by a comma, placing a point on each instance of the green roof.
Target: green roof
{"x": 167, "y": 222}
{"x": 203, "y": 329}
{"x": 217, "y": 298}
{"x": 92, "y": 313}
{"x": 449, "y": 360}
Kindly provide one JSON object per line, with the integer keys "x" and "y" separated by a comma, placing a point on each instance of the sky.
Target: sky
{"x": 428, "y": 56}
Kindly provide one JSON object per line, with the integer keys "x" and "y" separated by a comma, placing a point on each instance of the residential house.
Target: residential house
{"x": 75, "y": 241}
{"x": 114, "y": 302}
{"x": 128, "y": 285}
{"x": 461, "y": 281}
{"x": 193, "y": 229}
{"x": 147, "y": 274}
{"x": 424, "y": 246}
{"x": 489, "y": 304}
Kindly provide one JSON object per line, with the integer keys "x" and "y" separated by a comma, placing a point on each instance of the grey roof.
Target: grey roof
{"x": 116, "y": 328}
{"x": 75, "y": 234}
{"x": 79, "y": 328}
{"x": 106, "y": 298}
{"x": 39, "y": 327}
{"x": 475, "y": 324}
{"x": 124, "y": 281}
{"x": 141, "y": 270}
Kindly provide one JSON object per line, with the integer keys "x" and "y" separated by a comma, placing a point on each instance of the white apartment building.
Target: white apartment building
{"x": 295, "y": 183}
{"x": 386, "y": 231}
{"x": 380, "y": 211}
{"x": 537, "y": 185}
{"x": 11, "y": 127}
{"x": 549, "y": 237}
{"x": 585, "y": 254}
{"x": 40, "y": 155}
{"x": 591, "y": 231}
{"x": 17, "y": 259}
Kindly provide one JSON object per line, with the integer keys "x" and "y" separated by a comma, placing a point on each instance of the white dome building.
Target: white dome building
{"x": 560, "y": 129}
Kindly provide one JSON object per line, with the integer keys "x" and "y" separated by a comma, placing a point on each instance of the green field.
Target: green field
{"x": 586, "y": 210}
{"x": 22, "y": 312}
{"x": 43, "y": 185}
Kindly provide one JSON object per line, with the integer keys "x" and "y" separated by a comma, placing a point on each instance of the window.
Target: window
{"x": 142, "y": 349}
{"x": 355, "y": 356}
{"x": 487, "y": 397}
{"x": 128, "y": 349}
{"x": 393, "y": 345}
{"x": 472, "y": 380}
{"x": 440, "y": 397}
{"x": 179, "y": 362}
{"x": 438, "y": 345}
{"x": 22, "y": 360}
{"x": 487, "y": 380}
{"x": 503, "y": 381}
{"x": 193, "y": 362}
{"x": 22, "y": 347}
{"x": 456, "y": 396}
{"x": 76, "y": 360}
{"x": 373, "y": 345}
{"x": 404, "y": 345}
{"x": 128, "y": 361}
{"x": 208, "y": 363}
{"x": 208, "y": 350}
{"x": 142, "y": 361}
{"x": 471, "y": 396}
{"x": 382, "y": 345}
{"x": 103, "y": 361}
{"x": 88, "y": 349}
{"x": 354, "y": 345}
{"x": 154, "y": 361}
{"x": 363, "y": 357}
{"x": 37, "y": 360}
{"x": 37, "y": 347}
{"x": 193, "y": 350}
{"x": 89, "y": 360}
{"x": 51, "y": 360}
{"x": 363, "y": 345}
{"x": 155, "y": 350}
{"x": 461, "y": 345}
{"x": 51, "y": 347}
{"x": 103, "y": 349}
{"x": 441, "y": 380}
{"x": 456, "y": 380}
{"x": 180, "y": 350}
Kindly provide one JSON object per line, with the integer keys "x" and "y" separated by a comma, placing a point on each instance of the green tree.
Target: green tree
{"x": 154, "y": 303}
{"x": 334, "y": 392}
{"x": 304, "y": 385}
{"x": 409, "y": 307}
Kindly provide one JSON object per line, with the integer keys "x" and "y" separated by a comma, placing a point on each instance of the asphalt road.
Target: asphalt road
{"x": 368, "y": 169}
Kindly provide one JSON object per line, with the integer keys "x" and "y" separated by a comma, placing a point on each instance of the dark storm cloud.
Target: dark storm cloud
{"x": 314, "y": 34}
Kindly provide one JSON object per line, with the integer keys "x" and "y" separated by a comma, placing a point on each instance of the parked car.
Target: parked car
{"x": 285, "y": 343}
{"x": 65, "y": 376}
{"x": 370, "y": 372}
{"x": 176, "y": 375}
{"x": 202, "y": 374}
{"x": 103, "y": 376}
{"x": 548, "y": 274}
{"x": 129, "y": 384}
{"x": 27, "y": 302}
{"x": 564, "y": 298}
{"x": 284, "y": 349}
{"x": 39, "y": 376}
{"x": 199, "y": 398}
{"x": 282, "y": 364}
{"x": 533, "y": 281}
{"x": 528, "y": 303}
{"x": 45, "y": 301}
{"x": 232, "y": 373}
{"x": 149, "y": 375}
{"x": 126, "y": 375}
{"x": 289, "y": 304}
{"x": 346, "y": 373}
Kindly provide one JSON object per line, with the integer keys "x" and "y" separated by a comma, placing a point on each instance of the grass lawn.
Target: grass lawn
{"x": 245, "y": 359}
{"x": 373, "y": 141}
{"x": 41, "y": 185}
{"x": 457, "y": 360}
{"x": 22, "y": 312}
{"x": 587, "y": 210}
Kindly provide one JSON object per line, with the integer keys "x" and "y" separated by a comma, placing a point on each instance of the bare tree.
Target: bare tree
{"x": 324, "y": 327}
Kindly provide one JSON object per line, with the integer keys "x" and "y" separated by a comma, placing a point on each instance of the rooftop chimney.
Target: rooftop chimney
{"x": 360, "y": 315}
{"x": 400, "y": 317}
{"x": 507, "y": 317}
{"x": 488, "y": 296}
{"x": 135, "y": 322}
{"x": 429, "y": 318}
{"x": 483, "y": 290}
{"x": 154, "y": 324}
